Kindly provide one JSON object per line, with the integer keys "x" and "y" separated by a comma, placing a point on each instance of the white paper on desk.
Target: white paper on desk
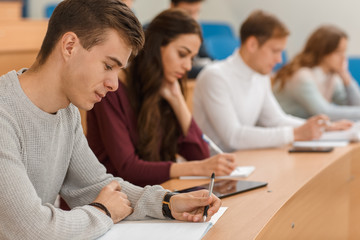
{"x": 352, "y": 134}
{"x": 243, "y": 171}
{"x": 318, "y": 143}
{"x": 161, "y": 229}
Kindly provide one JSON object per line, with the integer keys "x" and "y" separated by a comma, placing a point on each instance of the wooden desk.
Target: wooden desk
{"x": 190, "y": 86}
{"x": 10, "y": 10}
{"x": 309, "y": 196}
{"x": 20, "y": 42}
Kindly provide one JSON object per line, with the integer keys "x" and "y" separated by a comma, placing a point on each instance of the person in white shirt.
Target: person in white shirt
{"x": 233, "y": 101}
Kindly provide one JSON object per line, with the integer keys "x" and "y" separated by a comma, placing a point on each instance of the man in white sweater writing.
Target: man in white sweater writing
{"x": 43, "y": 149}
{"x": 233, "y": 101}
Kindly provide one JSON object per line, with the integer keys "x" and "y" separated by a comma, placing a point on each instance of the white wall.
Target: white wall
{"x": 301, "y": 17}
{"x": 36, "y": 8}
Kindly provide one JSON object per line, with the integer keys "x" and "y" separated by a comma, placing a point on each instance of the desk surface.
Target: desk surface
{"x": 308, "y": 195}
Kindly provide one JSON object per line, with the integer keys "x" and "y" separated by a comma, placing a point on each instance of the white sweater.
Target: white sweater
{"x": 44, "y": 154}
{"x": 236, "y": 108}
{"x": 310, "y": 92}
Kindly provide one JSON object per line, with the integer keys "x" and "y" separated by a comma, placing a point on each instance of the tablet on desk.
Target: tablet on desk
{"x": 225, "y": 188}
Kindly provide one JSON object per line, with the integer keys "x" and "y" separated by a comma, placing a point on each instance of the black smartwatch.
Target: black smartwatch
{"x": 166, "y": 205}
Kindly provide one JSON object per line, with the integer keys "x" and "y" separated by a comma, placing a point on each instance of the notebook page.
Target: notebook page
{"x": 161, "y": 229}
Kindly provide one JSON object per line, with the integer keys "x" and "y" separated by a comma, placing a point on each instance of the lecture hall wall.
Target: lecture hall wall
{"x": 302, "y": 17}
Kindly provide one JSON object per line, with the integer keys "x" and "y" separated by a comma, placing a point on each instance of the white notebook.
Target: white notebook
{"x": 161, "y": 229}
{"x": 243, "y": 171}
{"x": 352, "y": 134}
{"x": 317, "y": 143}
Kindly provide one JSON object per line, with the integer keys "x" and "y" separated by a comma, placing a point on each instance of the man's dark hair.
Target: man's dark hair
{"x": 176, "y": 2}
{"x": 89, "y": 20}
{"x": 263, "y": 26}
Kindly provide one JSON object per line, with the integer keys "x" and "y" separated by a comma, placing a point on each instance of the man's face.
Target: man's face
{"x": 265, "y": 57}
{"x": 89, "y": 74}
{"x": 192, "y": 8}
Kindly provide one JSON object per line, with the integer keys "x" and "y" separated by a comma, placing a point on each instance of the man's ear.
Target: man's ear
{"x": 69, "y": 43}
{"x": 252, "y": 44}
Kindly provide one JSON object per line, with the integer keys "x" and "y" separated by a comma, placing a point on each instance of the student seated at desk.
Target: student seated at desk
{"x": 193, "y": 7}
{"x": 317, "y": 80}
{"x": 233, "y": 101}
{"x": 43, "y": 149}
{"x": 137, "y": 130}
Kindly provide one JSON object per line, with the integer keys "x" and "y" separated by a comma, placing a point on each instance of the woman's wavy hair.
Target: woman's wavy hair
{"x": 322, "y": 42}
{"x": 157, "y": 124}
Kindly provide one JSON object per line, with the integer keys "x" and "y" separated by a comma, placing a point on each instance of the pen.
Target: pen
{"x": 210, "y": 192}
{"x": 212, "y": 144}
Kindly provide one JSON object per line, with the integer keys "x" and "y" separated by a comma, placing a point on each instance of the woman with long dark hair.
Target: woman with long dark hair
{"x": 317, "y": 80}
{"x": 138, "y": 131}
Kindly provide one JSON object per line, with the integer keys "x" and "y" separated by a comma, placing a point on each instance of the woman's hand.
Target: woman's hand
{"x": 221, "y": 164}
{"x": 171, "y": 91}
{"x": 345, "y": 74}
{"x": 339, "y": 125}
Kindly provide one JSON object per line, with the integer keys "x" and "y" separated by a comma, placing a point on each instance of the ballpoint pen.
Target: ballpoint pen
{"x": 212, "y": 144}
{"x": 211, "y": 186}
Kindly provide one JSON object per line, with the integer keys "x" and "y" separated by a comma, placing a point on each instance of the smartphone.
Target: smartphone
{"x": 310, "y": 149}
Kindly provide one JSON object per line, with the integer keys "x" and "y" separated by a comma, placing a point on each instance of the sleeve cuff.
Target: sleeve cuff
{"x": 289, "y": 135}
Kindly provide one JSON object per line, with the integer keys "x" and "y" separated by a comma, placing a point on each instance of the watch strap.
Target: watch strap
{"x": 166, "y": 205}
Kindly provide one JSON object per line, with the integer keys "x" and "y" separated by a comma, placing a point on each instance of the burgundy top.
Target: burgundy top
{"x": 112, "y": 134}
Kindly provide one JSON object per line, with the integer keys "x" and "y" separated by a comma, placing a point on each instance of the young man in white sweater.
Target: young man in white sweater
{"x": 43, "y": 149}
{"x": 233, "y": 101}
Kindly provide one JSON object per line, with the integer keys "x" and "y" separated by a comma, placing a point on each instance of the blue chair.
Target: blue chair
{"x": 284, "y": 61}
{"x": 49, "y": 9}
{"x": 219, "y": 39}
{"x": 25, "y": 8}
{"x": 220, "y": 47}
{"x": 210, "y": 29}
{"x": 354, "y": 67}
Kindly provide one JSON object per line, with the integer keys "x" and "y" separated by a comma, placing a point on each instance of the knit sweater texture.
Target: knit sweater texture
{"x": 43, "y": 155}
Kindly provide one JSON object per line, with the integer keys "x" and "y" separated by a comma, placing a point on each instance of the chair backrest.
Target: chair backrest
{"x": 210, "y": 29}
{"x": 219, "y": 39}
{"x": 354, "y": 67}
{"x": 220, "y": 47}
{"x": 284, "y": 61}
{"x": 49, "y": 9}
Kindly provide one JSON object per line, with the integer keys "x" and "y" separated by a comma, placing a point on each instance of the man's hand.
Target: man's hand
{"x": 190, "y": 206}
{"x": 115, "y": 201}
{"x": 312, "y": 129}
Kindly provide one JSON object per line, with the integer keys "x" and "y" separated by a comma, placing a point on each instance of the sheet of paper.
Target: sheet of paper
{"x": 243, "y": 171}
{"x": 352, "y": 134}
{"x": 340, "y": 143}
{"x": 161, "y": 229}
